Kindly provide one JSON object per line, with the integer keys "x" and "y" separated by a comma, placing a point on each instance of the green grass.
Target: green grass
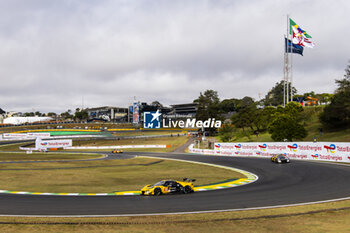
{"x": 325, "y": 221}
{"x": 104, "y": 176}
{"x": 312, "y": 125}
{"x": 45, "y": 156}
{"x": 12, "y": 147}
{"x": 174, "y": 142}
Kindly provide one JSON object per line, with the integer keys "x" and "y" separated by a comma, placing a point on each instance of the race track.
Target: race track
{"x": 278, "y": 184}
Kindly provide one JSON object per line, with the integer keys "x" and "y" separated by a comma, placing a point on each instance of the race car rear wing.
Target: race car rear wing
{"x": 188, "y": 180}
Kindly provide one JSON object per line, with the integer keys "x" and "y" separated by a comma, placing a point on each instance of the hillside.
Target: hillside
{"x": 313, "y": 127}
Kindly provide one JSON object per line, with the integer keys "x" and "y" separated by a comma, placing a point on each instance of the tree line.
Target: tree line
{"x": 246, "y": 117}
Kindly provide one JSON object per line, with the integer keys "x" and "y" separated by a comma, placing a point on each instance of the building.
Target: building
{"x": 108, "y": 113}
{"x": 181, "y": 110}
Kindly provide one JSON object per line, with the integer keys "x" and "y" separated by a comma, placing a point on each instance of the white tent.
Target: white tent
{"x": 23, "y": 120}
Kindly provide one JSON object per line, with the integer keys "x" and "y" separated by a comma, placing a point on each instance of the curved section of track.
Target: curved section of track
{"x": 297, "y": 182}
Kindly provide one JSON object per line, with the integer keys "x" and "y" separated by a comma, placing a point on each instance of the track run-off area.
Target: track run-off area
{"x": 300, "y": 182}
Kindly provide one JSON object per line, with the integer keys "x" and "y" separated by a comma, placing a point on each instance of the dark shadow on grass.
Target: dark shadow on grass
{"x": 82, "y": 167}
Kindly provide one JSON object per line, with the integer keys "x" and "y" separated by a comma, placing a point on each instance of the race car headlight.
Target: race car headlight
{"x": 147, "y": 192}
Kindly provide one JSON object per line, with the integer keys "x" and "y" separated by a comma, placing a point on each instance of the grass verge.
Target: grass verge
{"x": 174, "y": 142}
{"x": 6, "y": 156}
{"x": 308, "y": 218}
{"x": 104, "y": 176}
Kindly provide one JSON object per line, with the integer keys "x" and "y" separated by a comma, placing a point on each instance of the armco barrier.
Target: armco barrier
{"x": 324, "y": 151}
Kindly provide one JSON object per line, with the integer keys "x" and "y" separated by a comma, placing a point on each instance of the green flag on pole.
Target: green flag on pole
{"x": 293, "y": 24}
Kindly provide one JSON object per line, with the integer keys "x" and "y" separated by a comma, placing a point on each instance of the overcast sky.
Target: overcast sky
{"x": 56, "y": 55}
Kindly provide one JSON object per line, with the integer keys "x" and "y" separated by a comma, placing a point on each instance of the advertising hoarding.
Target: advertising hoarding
{"x": 136, "y": 113}
{"x": 46, "y": 144}
{"x": 25, "y": 135}
{"x": 327, "y": 151}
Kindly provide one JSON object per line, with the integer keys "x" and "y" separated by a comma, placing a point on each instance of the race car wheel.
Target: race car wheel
{"x": 187, "y": 189}
{"x": 157, "y": 192}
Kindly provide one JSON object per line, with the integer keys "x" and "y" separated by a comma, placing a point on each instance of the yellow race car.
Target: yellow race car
{"x": 168, "y": 187}
{"x": 117, "y": 151}
{"x": 280, "y": 158}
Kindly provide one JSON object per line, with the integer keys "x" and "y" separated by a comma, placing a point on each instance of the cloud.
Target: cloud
{"x": 56, "y": 53}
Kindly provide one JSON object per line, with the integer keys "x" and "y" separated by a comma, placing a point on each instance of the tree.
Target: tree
{"x": 208, "y": 105}
{"x": 311, "y": 94}
{"x": 228, "y": 105}
{"x": 245, "y": 102}
{"x": 227, "y": 132}
{"x": 294, "y": 110}
{"x": 324, "y": 98}
{"x": 275, "y": 96}
{"x": 285, "y": 126}
{"x": 247, "y": 112}
{"x": 51, "y": 114}
{"x": 81, "y": 114}
{"x": 28, "y": 114}
{"x": 286, "y": 123}
{"x": 157, "y": 104}
{"x": 263, "y": 118}
{"x": 67, "y": 114}
{"x": 337, "y": 113}
{"x": 344, "y": 84}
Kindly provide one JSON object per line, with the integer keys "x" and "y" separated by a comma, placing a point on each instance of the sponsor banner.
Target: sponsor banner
{"x": 45, "y": 144}
{"x": 136, "y": 113}
{"x": 41, "y": 135}
{"x": 327, "y": 151}
{"x": 14, "y": 135}
{"x": 200, "y": 151}
{"x": 25, "y": 135}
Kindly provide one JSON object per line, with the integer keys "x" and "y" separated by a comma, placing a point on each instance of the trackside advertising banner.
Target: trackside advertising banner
{"x": 200, "y": 151}
{"x": 25, "y": 135}
{"x": 326, "y": 151}
{"x": 45, "y": 144}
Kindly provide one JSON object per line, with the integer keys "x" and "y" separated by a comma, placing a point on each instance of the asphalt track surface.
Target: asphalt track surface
{"x": 278, "y": 184}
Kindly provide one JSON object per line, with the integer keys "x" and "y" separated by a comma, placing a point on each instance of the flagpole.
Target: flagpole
{"x": 284, "y": 71}
{"x": 287, "y": 61}
{"x": 291, "y": 73}
{"x": 291, "y": 68}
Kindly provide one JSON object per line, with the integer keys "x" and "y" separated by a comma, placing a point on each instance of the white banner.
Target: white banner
{"x": 14, "y": 135}
{"x": 200, "y": 151}
{"x": 25, "y": 135}
{"x": 41, "y": 135}
{"x": 45, "y": 144}
{"x": 325, "y": 151}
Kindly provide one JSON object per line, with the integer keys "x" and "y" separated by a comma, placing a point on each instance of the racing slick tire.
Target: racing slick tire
{"x": 187, "y": 189}
{"x": 157, "y": 192}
